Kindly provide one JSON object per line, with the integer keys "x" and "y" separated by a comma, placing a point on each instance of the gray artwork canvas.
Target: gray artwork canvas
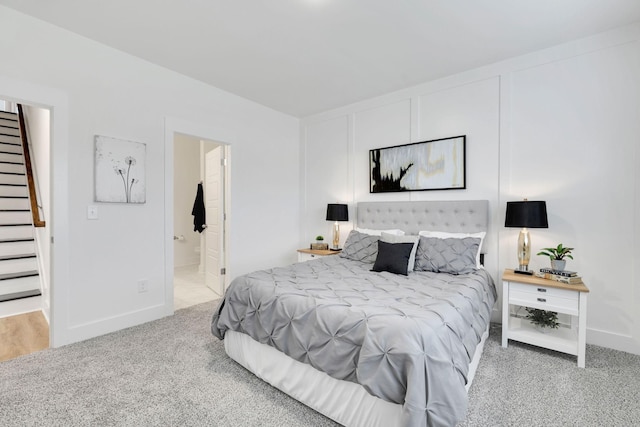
{"x": 120, "y": 170}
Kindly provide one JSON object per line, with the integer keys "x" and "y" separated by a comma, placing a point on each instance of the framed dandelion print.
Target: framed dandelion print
{"x": 120, "y": 170}
{"x": 429, "y": 165}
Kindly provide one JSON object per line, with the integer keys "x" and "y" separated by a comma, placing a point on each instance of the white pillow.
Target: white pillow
{"x": 447, "y": 235}
{"x": 372, "y": 232}
{"x": 394, "y": 238}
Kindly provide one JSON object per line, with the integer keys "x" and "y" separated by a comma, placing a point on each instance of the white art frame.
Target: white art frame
{"x": 120, "y": 170}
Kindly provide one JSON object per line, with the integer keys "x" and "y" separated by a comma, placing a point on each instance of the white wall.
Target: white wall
{"x": 39, "y": 131}
{"x": 186, "y": 160}
{"x": 559, "y": 125}
{"x": 97, "y": 90}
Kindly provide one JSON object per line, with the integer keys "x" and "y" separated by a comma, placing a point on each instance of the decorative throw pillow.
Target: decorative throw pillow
{"x": 393, "y": 257}
{"x": 447, "y": 235}
{"x": 454, "y": 256}
{"x": 360, "y": 247}
{"x": 392, "y": 238}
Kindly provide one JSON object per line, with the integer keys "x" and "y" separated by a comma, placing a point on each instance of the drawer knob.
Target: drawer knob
{"x": 542, "y": 290}
{"x": 542, "y": 299}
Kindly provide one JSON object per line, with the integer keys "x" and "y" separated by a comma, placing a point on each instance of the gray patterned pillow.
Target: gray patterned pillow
{"x": 360, "y": 247}
{"x": 455, "y": 256}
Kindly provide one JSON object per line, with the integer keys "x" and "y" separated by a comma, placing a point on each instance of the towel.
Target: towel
{"x": 198, "y": 212}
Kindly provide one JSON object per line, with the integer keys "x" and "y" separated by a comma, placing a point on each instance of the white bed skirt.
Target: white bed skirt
{"x": 344, "y": 402}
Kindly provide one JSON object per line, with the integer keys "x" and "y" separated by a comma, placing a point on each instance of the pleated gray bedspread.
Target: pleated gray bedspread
{"x": 405, "y": 339}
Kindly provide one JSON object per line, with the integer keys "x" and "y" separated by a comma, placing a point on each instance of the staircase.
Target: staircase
{"x": 18, "y": 263}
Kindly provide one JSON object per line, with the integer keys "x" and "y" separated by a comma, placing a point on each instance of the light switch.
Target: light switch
{"x": 92, "y": 212}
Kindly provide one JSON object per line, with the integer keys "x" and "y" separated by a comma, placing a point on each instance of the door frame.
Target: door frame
{"x": 57, "y": 103}
{"x": 200, "y": 131}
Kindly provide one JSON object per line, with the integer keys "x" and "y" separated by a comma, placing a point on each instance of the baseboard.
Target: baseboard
{"x": 104, "y": 326}
{"x": 612, "y": 340}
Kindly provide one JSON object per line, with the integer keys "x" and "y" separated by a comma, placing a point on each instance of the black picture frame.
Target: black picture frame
{"x": 438, "y": 164}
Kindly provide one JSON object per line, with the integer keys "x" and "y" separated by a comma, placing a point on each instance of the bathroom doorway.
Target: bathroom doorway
{"x": 199, "y": 182}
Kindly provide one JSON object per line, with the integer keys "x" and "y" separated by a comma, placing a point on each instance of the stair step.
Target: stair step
{"x": 20, "y": 295}
{"x": 5, "y": 130}
{"x": 13, "y": 190}
{"x": 14, "y": 203}
{"x": 17, "y": 256}
{"x": 12, "y": 140}
{"x": 11, "y": 162}
{"x": 27, "y": 282}
{"x": 10, "y": 123}
{"x": 13, "y": 167}
{"x": 10, "y": 145}
{"x": 13, "y": 179}
{"x": 19, "y": 217}
{"x": 14, "y": 160}
{"x": 13, "y": 209}
{"x": 17, "y": 231}
{"x": 18, "y": 265}
{"x": 17, "y": 246}
{"x": 8, "y": 115}
{"x": 18, "y": 275}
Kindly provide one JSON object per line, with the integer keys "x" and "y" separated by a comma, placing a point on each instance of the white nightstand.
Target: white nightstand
{"x": 309, "y": 254}
{"x": 534, "y": 292}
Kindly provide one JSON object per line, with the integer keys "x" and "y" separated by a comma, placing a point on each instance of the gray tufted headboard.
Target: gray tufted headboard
{"x": 455, "y": 216}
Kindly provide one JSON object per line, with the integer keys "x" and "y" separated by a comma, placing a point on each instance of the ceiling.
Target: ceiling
{"x": 306, "y": 56}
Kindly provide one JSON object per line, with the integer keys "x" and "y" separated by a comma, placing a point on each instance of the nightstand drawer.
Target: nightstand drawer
{"x": 309, "y": 254}
{"x": 306, "y": 257}
{"x": 545, "y": 301}
{"x": 544, "y": 290}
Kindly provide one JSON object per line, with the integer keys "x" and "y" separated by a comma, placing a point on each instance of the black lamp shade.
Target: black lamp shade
{"x": 337, "y": 212}
{"x": 529, "y": 214}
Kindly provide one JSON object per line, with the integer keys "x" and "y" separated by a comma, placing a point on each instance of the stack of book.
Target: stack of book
{"x": 569, "y": 277}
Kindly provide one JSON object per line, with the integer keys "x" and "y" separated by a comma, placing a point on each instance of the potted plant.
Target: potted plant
{"x": 543, "y": 319}
{"x": 319, "y": 244}
{"x": 557, "y": 255}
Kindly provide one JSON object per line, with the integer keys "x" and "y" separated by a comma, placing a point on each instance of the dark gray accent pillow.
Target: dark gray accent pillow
{"x": 393, "y": 257}
{"x": 360, "y": 247}
{"x": 454, "y": 256}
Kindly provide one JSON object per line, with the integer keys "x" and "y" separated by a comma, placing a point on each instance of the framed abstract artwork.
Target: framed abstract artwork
{"x": 439, "y": 164}
{"x": 120, "y": 170}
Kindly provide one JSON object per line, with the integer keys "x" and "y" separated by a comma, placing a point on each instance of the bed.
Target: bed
{"x": 394, "y": 347}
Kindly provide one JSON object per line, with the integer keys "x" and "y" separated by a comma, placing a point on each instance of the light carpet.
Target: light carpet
{"x": 173, "y": 372}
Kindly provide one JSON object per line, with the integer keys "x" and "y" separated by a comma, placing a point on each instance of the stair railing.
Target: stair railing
{"x": 35, "y": 211}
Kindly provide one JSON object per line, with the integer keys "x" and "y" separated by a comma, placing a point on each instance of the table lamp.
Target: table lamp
{"x": 525, "y": 214}
{"x": 337, "y": 212}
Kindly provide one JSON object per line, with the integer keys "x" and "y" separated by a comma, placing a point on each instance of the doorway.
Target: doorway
{"x": 25, "y": 252}
{"x": 199, "y": 247}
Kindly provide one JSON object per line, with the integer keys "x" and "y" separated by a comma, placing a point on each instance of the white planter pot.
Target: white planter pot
{"x": 558, "y": 264}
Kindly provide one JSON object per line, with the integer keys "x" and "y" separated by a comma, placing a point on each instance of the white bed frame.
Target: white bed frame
{"x": 345, "y": 402}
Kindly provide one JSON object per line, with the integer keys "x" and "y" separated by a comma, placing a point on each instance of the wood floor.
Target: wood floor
{"x": 23, "y": 334}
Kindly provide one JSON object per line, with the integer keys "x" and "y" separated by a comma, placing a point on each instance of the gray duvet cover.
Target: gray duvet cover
{"x": 405, "y": 339}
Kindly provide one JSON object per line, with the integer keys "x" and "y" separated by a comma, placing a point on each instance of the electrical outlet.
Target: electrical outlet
{"x": 143, "y": 285}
